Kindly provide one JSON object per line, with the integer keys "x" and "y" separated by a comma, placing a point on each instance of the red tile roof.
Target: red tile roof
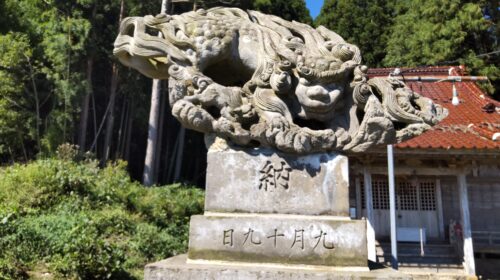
{"x": 468, "y": 125}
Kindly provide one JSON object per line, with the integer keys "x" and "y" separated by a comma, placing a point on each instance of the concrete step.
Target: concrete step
{"x": 435, "y": 255}
{"x": 414, "y": 249}
{"x": 423, "y": 261}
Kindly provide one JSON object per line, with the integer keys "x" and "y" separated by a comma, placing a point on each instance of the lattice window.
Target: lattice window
{"x": 427, "y": 196}
{"x": 380, "y": 194}
{"x": 407, "y": 196}
{"x": 362, "y": 188}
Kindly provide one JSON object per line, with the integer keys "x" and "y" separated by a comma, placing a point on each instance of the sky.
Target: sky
{"x": 314, "y": 7}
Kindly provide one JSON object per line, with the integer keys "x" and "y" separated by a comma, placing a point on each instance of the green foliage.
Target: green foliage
{"x": 430, "y": 32}
{"x": 364, "y": 23}
{"x": 46, "y": 45}
{"x": 48, "y": 38}
{"x": 287, "y": 9}
{"x": 62, "y": 33}
{"x": 16, "y": 118}
{"x": 73, "y": 220}
{"x": 206, "y": 4}
{"x": 420, "y": 33}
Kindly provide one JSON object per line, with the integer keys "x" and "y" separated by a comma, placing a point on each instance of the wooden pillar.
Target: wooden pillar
{"x": 469, "y": 264}
{"x": 370, "y": 231}
{"x": 439, "y": 208}
{"x": 392, "y": 207}
{"x": 359, "y": 209}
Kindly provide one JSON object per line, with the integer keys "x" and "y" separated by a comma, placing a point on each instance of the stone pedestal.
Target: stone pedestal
{"x": 266, "y": 209}
{"x": 262, "y": 181}
{"x": 181, "y": 268}
{"x": 278, "y": 239}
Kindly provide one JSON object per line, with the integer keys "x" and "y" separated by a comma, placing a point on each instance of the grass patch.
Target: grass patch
{"x": 62, "y": 219}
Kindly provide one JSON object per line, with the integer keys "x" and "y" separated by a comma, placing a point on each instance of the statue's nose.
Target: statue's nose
{"x": 317, "y": 91}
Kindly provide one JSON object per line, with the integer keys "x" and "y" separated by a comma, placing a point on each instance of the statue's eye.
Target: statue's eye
{"x": 151, "y": 31}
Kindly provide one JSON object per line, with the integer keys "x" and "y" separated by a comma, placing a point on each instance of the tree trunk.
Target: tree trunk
{"x": 152, "y": 147}
{"x": 94, "y": 117}
{"x": 68, "y": 76}
{"x": 84, "y": 116}
{"x": 37, "y": 105}
{"x": 21, "y": 140}
{"x": 151, "y": 150}
{"x": 110, "y": 117}
{"x": 121, "y": 129}
{"x": 164, "y": 173}
{"x": 163, "y": 100}
{"x": 11, "y": 155}
{"x": 112, "y": 97}
{"x": 172, "y": 160}
{"x": 179, "y": 155}
{"x": 126, "y": 152}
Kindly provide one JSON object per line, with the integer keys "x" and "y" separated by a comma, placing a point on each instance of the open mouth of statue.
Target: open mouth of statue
{"x": 318, "y": 108}
{"x": 138, "y": 53}
{"x": 127, "y": 47}
{"x": 138, "y": 49}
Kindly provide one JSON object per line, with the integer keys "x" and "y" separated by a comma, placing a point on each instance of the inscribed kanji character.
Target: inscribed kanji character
{"x": 299, "y": 238}
{"x": 227, "y": 238}
{"x": 275, "y": 236}
{"x": 273, "y": 175}
{"x": 249, "y": 234}
{"x": 321, "y": 236}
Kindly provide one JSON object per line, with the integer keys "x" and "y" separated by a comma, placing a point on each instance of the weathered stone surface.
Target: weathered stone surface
{"x": 262, "y": 181}
{"x": 178, "y": 268}
{"x": 284, "y": 239}
{"x": 258, "y": 79}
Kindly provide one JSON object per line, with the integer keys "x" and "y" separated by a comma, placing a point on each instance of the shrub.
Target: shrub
{"x": 75, "y": 220}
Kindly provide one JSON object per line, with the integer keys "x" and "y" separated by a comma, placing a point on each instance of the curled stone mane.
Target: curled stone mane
{"x": 256, "y": 79}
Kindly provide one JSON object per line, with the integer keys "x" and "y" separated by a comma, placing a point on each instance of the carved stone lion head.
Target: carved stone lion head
{"x": 259, "y": 80}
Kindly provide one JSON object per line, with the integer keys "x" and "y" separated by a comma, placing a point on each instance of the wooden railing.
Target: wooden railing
{"x": 486, "y": 237}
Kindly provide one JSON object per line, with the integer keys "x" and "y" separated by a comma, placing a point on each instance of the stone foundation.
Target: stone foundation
{"x": 180, "y": 268}
{"x": 270, "y": 210}
{"x": 263, "y": 181}
{"x": 279, "y": 239}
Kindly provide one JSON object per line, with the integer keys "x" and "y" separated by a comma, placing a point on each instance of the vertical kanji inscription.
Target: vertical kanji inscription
{"x": 273, "y": 175}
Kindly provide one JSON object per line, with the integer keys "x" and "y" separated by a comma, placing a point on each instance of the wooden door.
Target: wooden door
{"x": 415, "y": 206}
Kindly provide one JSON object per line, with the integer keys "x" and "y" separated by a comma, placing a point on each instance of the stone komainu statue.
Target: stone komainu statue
{"x": 259, "y": 80}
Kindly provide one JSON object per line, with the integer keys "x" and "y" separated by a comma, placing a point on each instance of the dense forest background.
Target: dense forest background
{"x": 59, "y": 82}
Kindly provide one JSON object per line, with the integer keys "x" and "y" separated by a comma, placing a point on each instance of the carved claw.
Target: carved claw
{"x": 244, "y": 112}
{"x": 192, "y": 116}
{"x": 232, "y": 130}
{"x": 223, "y": 125}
